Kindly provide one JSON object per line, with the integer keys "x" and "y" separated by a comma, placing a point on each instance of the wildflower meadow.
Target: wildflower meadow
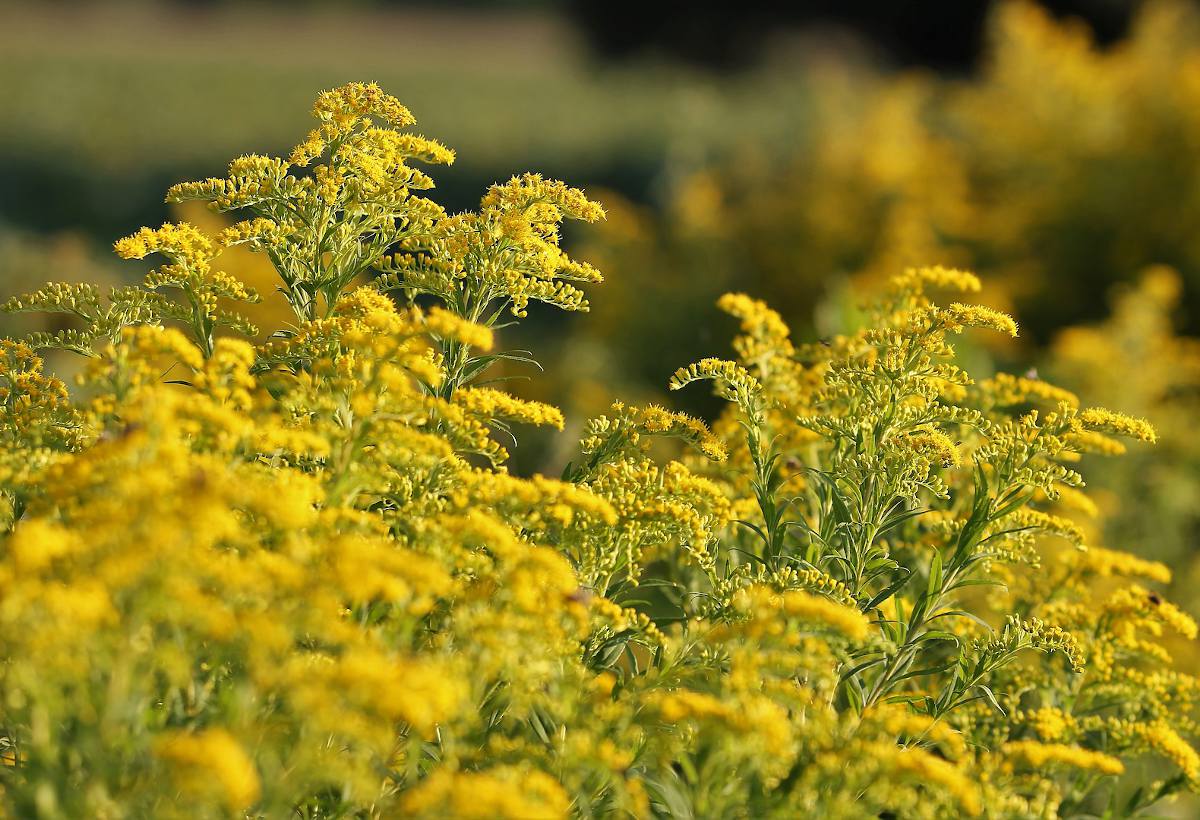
{"x": 284, "y": 571}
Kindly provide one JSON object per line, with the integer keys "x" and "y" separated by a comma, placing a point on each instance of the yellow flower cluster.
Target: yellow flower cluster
{"x": 496, "y": 404}
{"x": 1050, "y": 723}
{"x": 917, "y": 280}
{"x": 939, "y": 774}
{"x": 766, "y": 334}
{"x": 768, "y": 610}
{"x": 211, "y": 759}
{"x": 623, "y": 431}
{"x": 1040, "y": 755}
{"x": 506, "y": 792}
{"x": 1007, "y": 390}
{"x": 446, "y": 325}
{"x": 957, "y": 316}
{"x": 294, "y": 578}
{"x": 806, "y": 607}
{"x": 733, "y": 380}
{"x": 1114, "y": 563}
{"x": 1118, "y": 424}
{"x": 1134, "y": 601}
{"x": 1167, "y": 742}
{"x": 936, "y": 446}
{"x": 343, "y": 105}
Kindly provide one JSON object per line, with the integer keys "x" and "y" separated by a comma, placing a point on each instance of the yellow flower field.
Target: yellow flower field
{"x": 284, "y": 571}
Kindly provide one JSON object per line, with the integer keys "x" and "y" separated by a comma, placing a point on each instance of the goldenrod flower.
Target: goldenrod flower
{"x": 209, "y": 759}
{"x": 1097, "y": 419}
{"x": 957, "y": 316}
{"x": 295, "y": 576}
{"x": 505, "y": 792}
{"x": 1039, "y": 755}
{"x": 1167, "y": 742}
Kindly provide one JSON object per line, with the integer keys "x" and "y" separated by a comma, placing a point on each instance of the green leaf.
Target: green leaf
{"x": 888, "y": 591}
{"x": 977, "y": 582}
{"x": 928, "y": 670}
{"x": 896, "y": 519}
{"x": 904, "y": 698}
{"x": 935, "y": 575}
{"x": 990, "y": 697}
{"x": 855, "y": 695}
{"x": 753, "y": 527}
{"x": 849, "y": 673}
{"x": 1019, "y": 501}
{"x": 962, "y": 613}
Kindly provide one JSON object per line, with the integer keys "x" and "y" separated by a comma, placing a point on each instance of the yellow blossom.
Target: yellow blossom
{"x": 1098, "y": 419}
{"x": 208, "y": 759}
{"x": 1038, "y": 755}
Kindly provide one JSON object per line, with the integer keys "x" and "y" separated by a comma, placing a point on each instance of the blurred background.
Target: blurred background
{"x": 797, "y": 155}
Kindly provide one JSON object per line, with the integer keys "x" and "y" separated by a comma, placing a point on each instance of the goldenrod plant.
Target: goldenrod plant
{"x": 292, "y": 576}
